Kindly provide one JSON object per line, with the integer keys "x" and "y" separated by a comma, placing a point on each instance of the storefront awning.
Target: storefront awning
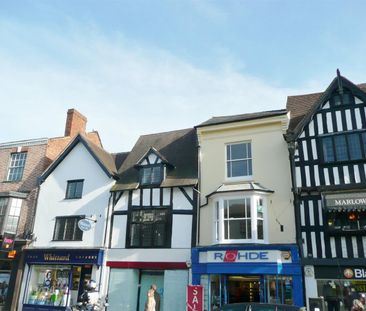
{"x": 348, "y": 201}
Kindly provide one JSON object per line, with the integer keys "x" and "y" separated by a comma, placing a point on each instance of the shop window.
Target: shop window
{"x": 4, "y": 286}
{"x": 66, "y": 229}
{"x": 239, "y": 160}
{"x": 344, "y": 147}
{"x": 149, "y": 228}
{"x": 240, "y": 219}
{"x": 16, "y": 166}
{"x": 74, "y": 189}
{"x": 343, "y": 221}
{"x": 48, "y": 285}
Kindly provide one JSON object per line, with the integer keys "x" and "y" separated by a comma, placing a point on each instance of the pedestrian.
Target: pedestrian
{"x": 150, "y": 301}
{"x": 357, "y": 305}
{"x": 156, "y": 297}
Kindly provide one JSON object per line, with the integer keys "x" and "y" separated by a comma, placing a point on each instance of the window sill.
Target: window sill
{"x": 238, "y": 179}
{"x": 242, "y": 241}
{"x": 73, "y": 198}
{"x": 67, "y": 240}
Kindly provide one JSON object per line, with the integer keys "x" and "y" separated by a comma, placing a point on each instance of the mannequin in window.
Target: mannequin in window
{"x": 332, "y": 295}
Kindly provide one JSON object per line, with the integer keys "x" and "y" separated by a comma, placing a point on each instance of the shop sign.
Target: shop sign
{"x": 194, "y": 298}
{"x": 8, "y": 242}
{"x": 245, "y": 256}
{"x": 350, "y": 200}
{"x": 84, "y": 224}
{"x": 79, "y": 256}
{"x": 334, "y": 272}
{"x": 354, "y": 273}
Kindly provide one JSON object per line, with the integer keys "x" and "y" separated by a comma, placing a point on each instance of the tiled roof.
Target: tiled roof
{"x": 300, "y": 105}
{"x": 242, "y": 117}
{"x": 179, "y": 148}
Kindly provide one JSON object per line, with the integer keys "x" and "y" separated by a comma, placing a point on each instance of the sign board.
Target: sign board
{"x": 84, "y": 224}
{"x": 339, "y": 272}
{"x": 345, "y": 201}
{"x": 8, "y": 242}
{"x": 245, "y": 256}
{"x": 194, "y": 298}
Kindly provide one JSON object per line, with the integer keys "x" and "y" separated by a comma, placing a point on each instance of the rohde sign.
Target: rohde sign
{"x": 194, "y": 298}
{"x": 245, "y": 256}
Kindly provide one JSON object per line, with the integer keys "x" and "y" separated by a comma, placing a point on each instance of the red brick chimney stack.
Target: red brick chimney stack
{"x": 75, "y": 123}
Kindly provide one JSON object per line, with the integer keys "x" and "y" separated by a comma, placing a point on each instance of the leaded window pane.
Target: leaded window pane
{"x": 148, "y": 228}
{"x": 354, "y": 147}
{"x": 328, "y": 149}
{"x": 74, "y": 189}
{"x": 66, "y": 229}
{"x": 341, "y": 148}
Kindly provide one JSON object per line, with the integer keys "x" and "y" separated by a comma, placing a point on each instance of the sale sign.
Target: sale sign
{"x": 194, "y": 298}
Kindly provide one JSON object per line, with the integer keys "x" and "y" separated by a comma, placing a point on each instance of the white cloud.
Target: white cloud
{"x": 124, "y": 89}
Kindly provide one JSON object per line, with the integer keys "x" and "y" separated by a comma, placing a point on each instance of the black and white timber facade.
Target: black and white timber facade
{"x": 153, "y": 225}
{"x": 327, "y": 145}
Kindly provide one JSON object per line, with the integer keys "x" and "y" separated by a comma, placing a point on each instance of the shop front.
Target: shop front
{"x": 54, "y": 278}
{"x": 129, "y": 283}
{"x": 233, "y": 274}
{"x": 338, "y": 285}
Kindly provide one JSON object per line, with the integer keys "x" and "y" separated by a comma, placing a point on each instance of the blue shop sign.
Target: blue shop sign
{"x": 64, "y": 256}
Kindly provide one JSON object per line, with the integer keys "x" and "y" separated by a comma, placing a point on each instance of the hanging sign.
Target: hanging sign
{"x": 194, "y": 298}
{"x": 84, "y": 224}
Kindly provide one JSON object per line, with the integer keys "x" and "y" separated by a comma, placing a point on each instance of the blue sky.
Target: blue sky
{"x": 138, "y": 67}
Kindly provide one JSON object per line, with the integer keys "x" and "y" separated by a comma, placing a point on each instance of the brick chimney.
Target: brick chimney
{"x": 75, "y": 123}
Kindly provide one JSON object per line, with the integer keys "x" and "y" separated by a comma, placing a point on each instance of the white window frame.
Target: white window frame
{"x": 16, "y": 166}
{"x": 218, "y": 220}
{"x": 12, "y": 210}
{"x": 243, "y": 177}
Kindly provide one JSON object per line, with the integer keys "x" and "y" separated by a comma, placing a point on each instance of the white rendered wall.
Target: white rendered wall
{"x": 150, "y": 255}
{"x": 179, "y": 199}
{"x": 182, "y": 231}
{"x": 119, "y": 231}
{"x": 271, "y": 168}
{"x": 78, "y": 164}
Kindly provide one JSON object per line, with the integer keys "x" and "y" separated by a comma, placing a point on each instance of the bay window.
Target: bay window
{"x": 240, "y": 219}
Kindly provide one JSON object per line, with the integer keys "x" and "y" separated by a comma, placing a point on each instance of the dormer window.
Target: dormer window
{"x": 152, "y": 167}
{"x": 151, "y": 175}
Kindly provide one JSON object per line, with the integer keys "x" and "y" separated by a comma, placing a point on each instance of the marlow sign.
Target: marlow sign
{"x": 194, "y": 298}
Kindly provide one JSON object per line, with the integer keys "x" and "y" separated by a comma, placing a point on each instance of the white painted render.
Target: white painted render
{"x": 78, "y": 164}
{"x": 180, "y": 201}
{"x": 119, "y": 231}
{"x": 150, "y": 255}
{"x": 182, "y": 231}
{"x": 270, "y": 168}
{"x": 122, "y": 203}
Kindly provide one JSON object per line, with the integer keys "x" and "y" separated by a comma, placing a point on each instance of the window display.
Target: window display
{"x": 4, "y": 284}
{"x": 49, "y": 285}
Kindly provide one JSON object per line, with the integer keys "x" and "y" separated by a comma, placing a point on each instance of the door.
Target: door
{"x": 147, "y": 279}
{"x": 243, "y": 288}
